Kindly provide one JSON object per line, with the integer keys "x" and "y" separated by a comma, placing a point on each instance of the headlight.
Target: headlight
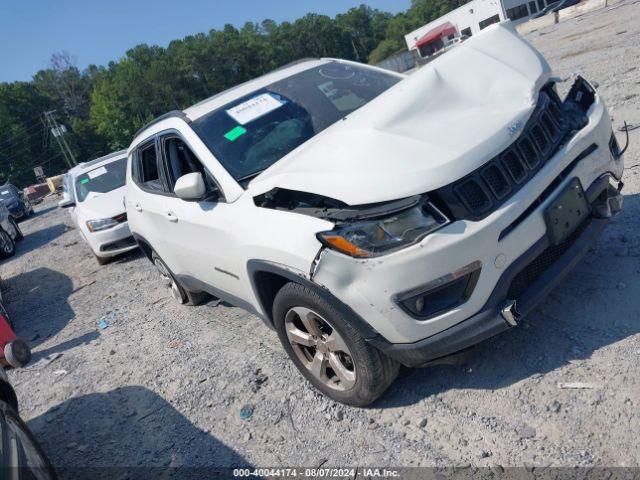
{"x": 371, "y": 238}
{"x": 102, "y": 224}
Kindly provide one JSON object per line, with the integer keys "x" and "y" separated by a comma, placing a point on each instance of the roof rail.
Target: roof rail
{"x": 171, "y": 114}
{"x": 294, "y": 63}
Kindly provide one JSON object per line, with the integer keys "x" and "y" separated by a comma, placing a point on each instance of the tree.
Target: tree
{"x": 102, "y": 107}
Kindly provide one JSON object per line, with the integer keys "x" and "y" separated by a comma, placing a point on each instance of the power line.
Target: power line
{"x": 22, "y": 133}
{"x": 26, "y": 124}
{"x": 18, "y": 146}
{"x": 22, "y": 170}
{"x": 24, "y": 129}
{"x": 9, "y": 163}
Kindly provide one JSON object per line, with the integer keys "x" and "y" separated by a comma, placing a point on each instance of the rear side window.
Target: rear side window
{"x": 145, "y": 168}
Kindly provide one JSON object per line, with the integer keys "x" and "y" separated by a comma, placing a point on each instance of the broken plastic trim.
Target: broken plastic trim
{"x": 616, "y": 151}
{"x": 330, "y": 209}
{"x": 577, "y": 103}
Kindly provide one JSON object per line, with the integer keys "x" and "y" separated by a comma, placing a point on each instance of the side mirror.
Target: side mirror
{"x": 190, "y": 187}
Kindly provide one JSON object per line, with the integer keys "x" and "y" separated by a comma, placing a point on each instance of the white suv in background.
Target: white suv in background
{"x": 95, "y": 199}
{"x": 374, "y": 219}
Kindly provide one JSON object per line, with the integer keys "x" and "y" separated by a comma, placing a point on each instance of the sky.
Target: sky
{"x": 98, "y": 31}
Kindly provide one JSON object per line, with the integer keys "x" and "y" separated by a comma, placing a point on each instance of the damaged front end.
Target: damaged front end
{"x": 370, "y": 230}
{"x": 553, "y": 123}
{"x": 363, "y": 231}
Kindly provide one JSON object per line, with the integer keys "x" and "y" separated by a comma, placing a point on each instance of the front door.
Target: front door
{"x": 200, "y": 233}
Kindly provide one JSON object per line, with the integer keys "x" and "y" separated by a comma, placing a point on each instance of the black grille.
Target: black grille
{"x": 511, "y": 160}
{"x": 475, "y": 195}
{"x": 496, "y": 180}
{"x": 534, "y": 270}
{"x": 485, "y": 189}
{"x": 118, "y": 244}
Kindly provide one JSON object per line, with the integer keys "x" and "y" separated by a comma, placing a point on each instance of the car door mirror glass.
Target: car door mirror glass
{"x": 190, "y": 187}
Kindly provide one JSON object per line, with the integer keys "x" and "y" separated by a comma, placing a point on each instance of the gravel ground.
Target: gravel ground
{"x": 165, "y": 384}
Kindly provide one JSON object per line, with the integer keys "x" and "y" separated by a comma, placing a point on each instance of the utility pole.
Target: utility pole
{"x": 58, "y": 133}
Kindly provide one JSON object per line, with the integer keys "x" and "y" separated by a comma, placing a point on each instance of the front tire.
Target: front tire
{"x": 19, "y": 236}
{"x": 327, "y": 350}
{"x": 7, "y": 245}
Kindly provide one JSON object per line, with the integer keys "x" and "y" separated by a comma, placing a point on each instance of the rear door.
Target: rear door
{"x": 145, "y": 197}
{"x": 201, "y": 233}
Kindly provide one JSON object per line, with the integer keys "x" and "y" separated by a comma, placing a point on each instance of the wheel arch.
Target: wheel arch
{"x": 267, "y": 278}
{"x": 144, "y": 245}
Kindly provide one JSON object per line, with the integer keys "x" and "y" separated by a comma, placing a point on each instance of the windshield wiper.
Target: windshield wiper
{"x": 250, "y": 176}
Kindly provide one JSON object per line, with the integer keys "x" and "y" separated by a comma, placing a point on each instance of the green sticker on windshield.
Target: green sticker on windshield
{"x": 234, "y": 133}
{"x": 84, "y": 180}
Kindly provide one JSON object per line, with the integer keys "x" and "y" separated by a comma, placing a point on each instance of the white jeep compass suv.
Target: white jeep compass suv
{"x": 374, "y": 219}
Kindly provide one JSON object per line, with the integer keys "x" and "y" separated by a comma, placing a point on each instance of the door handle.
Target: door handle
{"x": 172, "y": 217}
{"x": 137, "y": 207}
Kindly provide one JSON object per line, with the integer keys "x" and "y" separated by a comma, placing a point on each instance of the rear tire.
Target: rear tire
{"x": 7, "y": 245}
{"x": 178, "y": 292}
{"x": 350, "y": 370}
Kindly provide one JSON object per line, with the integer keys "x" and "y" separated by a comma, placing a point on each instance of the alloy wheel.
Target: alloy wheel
{"x": 320, "y": 348}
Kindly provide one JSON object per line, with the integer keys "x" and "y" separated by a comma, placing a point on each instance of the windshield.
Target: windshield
{"x": 7, "y": 195}
{"x": 250, "y": 134}
{"x": 101, "y": 179}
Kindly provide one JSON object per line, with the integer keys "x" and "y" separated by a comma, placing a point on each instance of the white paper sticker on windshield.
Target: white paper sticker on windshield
{"x": 254, "y": 108}
{"x": 97, "y": 172}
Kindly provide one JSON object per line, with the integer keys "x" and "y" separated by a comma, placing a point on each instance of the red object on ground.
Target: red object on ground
{"x": 6, "y": 333}
{"x": 13, "y": 351}
{"x": 36, "y": 192}
{"x": 437, "y": 33}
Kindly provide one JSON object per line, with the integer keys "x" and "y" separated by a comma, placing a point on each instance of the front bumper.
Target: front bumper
{"x": 514, "y": 231}
{"x": 501, "y": 312}
{"x": 17, "y": 211}
{"x": 111, "y": 242}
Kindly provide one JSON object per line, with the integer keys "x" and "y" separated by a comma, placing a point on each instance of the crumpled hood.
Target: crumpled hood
{"x": 103, "y": 205}
{"x": 430, "y": 129}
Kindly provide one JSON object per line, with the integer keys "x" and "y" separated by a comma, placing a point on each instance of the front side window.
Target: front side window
{"x": 250, "y": 134}
{"x": 101, "y": 180}
{"x": 180, "y": 160}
